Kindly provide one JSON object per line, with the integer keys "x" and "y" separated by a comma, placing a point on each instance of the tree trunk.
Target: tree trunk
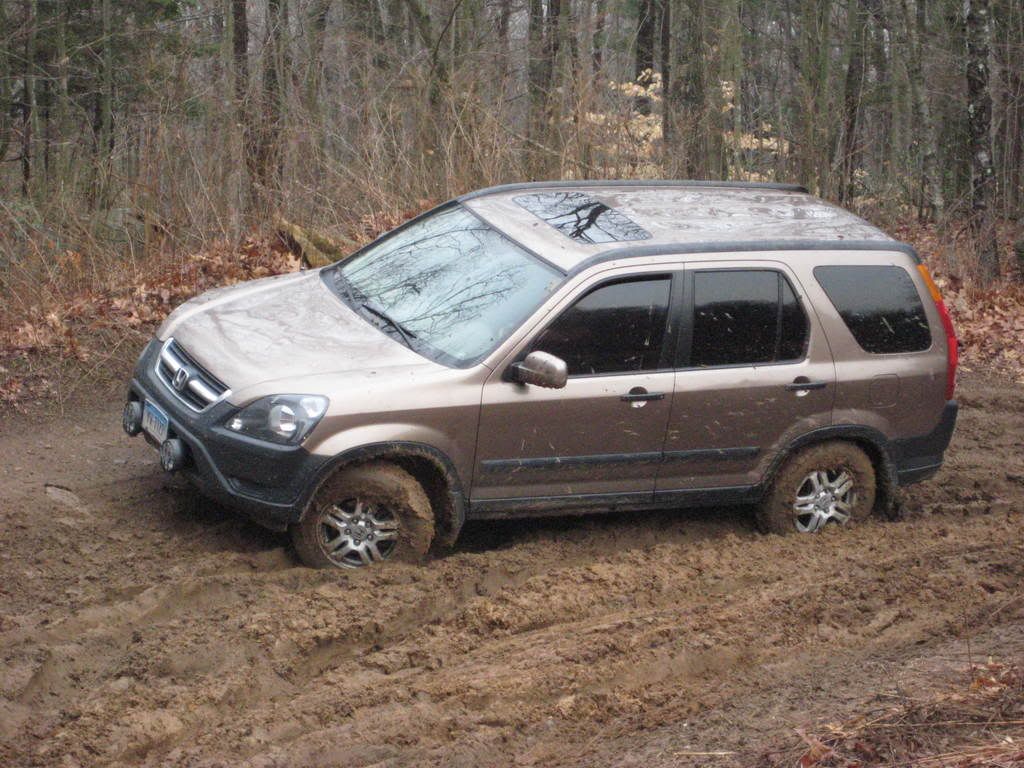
{"x": 61, "y": 99}
{"x": 425, "y": 31}
{"x": 504, "y": 16}
{"x": 317, "y": 30}
{"x": 852, "y": 90}
{"x": 644, "y": 62}
{"x": 1008, "y": 17}
{"x": 240, "y": 49}
{"x": 732, "y": 75}
{"x": 695, "y": 93}
{"x": 268, "y": 157}
{"x": 665, "y": 22}
{"x": 245, "y": 114}
{"x": 924, "y": 142}
{"x": 106, "y": 137}
{"x": 28, "y": 104}
{"x": 552, "y": 44}
{"x": 597, "y": 46}
{"x": 814, "y": 81}
{"x": 880, "y": 56}
{"x": 6, "y": 102}
{"x": 979, "y": 127}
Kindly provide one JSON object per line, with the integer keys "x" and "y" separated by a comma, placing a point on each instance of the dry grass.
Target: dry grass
{"x": 74, "y": 314}
{"x": 980, "y": 723}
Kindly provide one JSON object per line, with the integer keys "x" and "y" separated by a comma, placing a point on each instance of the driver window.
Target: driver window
{"x": 615, "y": 328}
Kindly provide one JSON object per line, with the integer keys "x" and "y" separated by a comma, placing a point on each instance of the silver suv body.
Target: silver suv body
{"x": 562, "y": 347}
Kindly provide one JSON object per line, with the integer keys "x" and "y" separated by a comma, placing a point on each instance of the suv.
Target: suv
{"x": 564, "y": 347}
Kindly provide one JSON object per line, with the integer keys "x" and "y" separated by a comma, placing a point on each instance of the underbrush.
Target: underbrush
{"x": 75, "y": 320}
{"x": 989, "y": 322}
{"x": 977, "y": 724}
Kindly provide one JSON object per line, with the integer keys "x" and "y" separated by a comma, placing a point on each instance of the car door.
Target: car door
{"x": 603, "y": 432}
{"x": 755, "y": 371}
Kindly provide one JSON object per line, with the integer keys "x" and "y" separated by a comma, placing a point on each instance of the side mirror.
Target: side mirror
{"x": 541, "y": 370}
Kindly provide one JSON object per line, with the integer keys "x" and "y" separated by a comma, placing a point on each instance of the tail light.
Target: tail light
{"x": 952, "y": 347}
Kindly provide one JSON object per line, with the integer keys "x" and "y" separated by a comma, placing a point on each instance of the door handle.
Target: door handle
{"x": 803, "y": 384}
{"x": 641, "y": 395}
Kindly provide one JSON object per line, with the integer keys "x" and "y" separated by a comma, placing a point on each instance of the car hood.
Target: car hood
{"x": 284, "y": 327}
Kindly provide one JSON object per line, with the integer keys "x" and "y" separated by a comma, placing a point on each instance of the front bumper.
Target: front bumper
{"x": 270, "y": 484}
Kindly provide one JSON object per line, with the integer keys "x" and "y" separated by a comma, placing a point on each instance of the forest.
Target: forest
{"x": 134, "y": 129}
{"x": 151, "y": 150}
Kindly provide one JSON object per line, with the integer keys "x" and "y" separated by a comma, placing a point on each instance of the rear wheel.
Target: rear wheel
{"x": 364, "y": 515}
{"x": 828, "y": 483}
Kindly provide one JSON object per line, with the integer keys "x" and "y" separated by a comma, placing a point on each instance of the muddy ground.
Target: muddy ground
{"x": 138, "y": 627}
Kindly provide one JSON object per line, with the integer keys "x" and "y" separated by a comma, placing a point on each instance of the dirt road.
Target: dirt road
{"x": 138, "y": 627}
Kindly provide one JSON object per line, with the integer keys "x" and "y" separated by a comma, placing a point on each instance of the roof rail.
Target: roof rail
{"x": 743, "y": 246}
{"x": 582, "y": 184}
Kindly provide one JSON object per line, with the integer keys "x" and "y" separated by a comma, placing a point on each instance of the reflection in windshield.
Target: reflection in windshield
{"x": 581, "y": 217}
{"x": 454, "y": 284}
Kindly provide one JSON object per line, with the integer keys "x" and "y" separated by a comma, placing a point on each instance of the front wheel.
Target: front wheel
{"x": 828, "y": 483}
{"x": 364, "y": 515}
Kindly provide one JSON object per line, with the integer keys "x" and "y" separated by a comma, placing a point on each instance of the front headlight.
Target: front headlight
{"x": 280, "y": 418}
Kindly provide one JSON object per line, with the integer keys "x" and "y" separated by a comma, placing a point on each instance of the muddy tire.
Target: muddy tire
{"x": 363, "y": 515}
{"x": 827, "y": 483}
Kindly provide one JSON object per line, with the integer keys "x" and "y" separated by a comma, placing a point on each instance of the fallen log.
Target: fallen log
{"x": 313, "y": 248}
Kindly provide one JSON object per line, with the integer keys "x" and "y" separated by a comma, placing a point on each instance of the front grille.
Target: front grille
{"x": 187, "y": 380}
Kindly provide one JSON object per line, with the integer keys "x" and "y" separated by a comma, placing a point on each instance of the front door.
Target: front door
{"x": 603, "y": 432}
{"x": 755, "y": 371}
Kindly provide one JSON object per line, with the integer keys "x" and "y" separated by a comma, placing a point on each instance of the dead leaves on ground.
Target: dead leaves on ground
{"x": 989, "y": 323}
{"x": 980, "y": 724}
{"x": 80, "y": 328}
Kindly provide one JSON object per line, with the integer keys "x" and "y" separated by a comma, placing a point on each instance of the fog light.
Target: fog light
{"x": 131, "y": 418}
{"x": 173, "y": 454}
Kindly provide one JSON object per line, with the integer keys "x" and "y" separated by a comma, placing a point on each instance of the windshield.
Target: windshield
{"x": 448, "y": 285}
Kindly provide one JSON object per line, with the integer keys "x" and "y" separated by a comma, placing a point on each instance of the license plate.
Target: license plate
{"x": 155, "y": 422}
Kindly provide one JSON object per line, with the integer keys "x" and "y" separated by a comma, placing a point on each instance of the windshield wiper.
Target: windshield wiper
{"x": 342, "y": 282}
{"x": 405, "y": 333}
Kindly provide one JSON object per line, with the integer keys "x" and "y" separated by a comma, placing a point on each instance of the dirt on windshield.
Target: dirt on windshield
{"x": 142, "y": 626}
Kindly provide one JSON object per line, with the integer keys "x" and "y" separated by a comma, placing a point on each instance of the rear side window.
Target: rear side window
{"x": 880, "y": 305}
{"x": 745, "y": 317}
{"x": 616, "y": 328}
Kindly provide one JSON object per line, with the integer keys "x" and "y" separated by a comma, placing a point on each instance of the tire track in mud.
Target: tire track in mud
{"x": 92, "y": 644}
{"x": 501, "y": 617}
{"x": 654, "y": 666}
{"x": 190, "y": 638}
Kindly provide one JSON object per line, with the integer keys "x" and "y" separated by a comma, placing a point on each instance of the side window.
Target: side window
{"x": 744, "y": 317}
{"x": 615, "y": 328}
{"x": 880, "y": 305}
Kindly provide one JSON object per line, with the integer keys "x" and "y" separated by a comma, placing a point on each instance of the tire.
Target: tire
{"x": 810, "y": 490}
{"x": 363, "y": 515}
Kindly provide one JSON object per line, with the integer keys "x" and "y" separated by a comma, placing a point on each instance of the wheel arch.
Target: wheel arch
{"x": 871, "y": 441}
{"x": 432, "y": 468}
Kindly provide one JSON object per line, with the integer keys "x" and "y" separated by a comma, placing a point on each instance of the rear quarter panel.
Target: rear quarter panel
{"x": 901, "y": 394}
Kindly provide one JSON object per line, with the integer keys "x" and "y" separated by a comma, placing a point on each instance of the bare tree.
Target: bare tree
{"x": 856, "y": 71}
{"x": 979, "y": 127}
{"x": 924, "y": 141}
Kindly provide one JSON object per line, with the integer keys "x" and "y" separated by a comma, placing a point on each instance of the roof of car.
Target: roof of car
{"x": 554, "y": 219}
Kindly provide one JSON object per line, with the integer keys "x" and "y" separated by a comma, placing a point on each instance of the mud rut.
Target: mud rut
{"x": 138, "y": 626}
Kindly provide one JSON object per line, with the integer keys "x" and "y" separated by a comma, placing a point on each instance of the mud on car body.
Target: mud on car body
{"x": 557, "y": 348}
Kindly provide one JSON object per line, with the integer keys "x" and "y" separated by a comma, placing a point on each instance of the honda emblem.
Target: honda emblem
{"x": 181, "y": 378}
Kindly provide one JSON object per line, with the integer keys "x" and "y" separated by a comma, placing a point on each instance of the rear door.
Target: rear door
{"x": 603, "y": 432}
{"x": 754, "y": 372}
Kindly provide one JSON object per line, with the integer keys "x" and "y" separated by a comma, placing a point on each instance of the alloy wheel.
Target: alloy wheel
{"x": 355, "y": 533}
{"x": 824, "y": 496}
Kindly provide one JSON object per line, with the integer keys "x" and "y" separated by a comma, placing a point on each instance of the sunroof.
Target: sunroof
{"x": 579, "y": 216}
